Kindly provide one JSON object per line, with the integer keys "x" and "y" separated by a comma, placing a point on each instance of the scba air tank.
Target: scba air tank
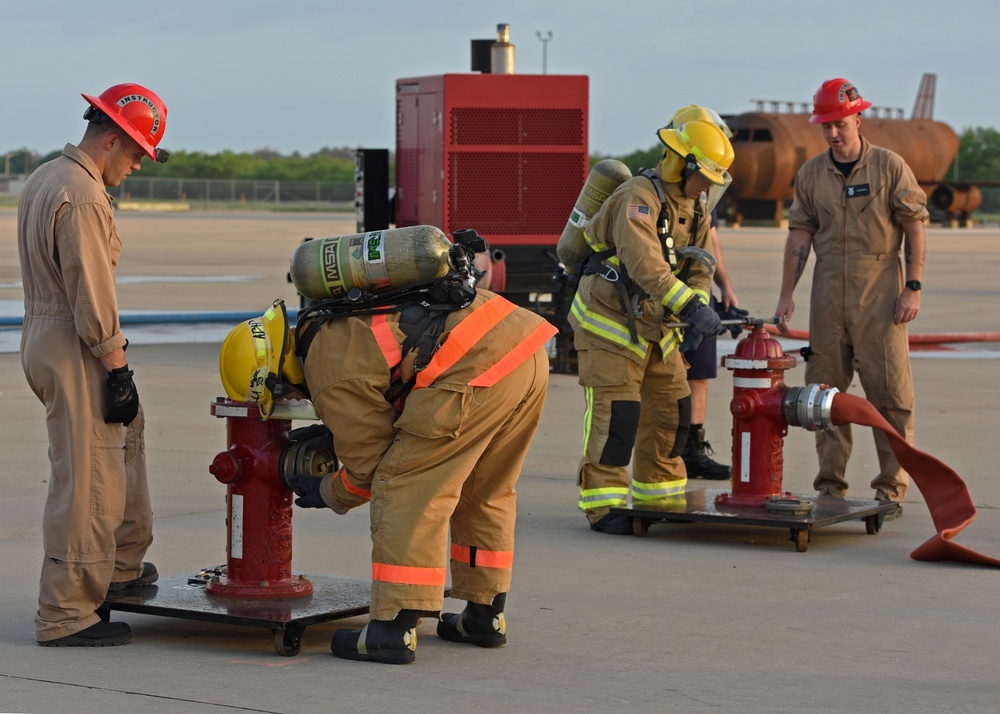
{"x": 604, "y": 178}
{"x": 374, "y": 262}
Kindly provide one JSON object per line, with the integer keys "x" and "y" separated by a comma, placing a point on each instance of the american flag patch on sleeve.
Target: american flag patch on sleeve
{"x": 638, "y": 211}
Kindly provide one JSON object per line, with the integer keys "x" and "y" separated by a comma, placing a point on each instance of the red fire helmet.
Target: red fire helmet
{"x": 138, "y": 111}
{"x": 836, "y": 99}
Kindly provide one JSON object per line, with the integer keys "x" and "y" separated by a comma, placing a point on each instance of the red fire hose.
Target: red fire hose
{"x": 946, "y": 494}
{"x": 934, "y": 338}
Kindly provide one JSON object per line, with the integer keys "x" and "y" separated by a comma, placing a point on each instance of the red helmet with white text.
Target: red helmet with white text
{"x": 136, "y": 110}
{"x": 836, "y": 99}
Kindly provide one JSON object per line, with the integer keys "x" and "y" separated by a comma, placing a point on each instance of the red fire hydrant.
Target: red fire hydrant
{"x": 258, "y": 506}
{"x": 763, "y": 408}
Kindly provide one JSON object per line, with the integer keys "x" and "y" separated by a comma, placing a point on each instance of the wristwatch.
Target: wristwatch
{"x": 913, "y": 284}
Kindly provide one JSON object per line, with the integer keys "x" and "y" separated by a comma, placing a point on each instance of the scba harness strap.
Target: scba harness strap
{"x": 422, "y": 328}
{"x": 628, "y": 291}
{"x": 422, "y": 325}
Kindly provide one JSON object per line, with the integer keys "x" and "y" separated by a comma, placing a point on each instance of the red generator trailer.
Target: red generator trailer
{"x": 504, "y": 154}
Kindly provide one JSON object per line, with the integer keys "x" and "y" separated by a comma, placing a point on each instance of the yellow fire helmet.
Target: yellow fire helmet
{"x": 706, "y": 143}
{"x": 257, "y": 361}
{"x": 696, "y": 112}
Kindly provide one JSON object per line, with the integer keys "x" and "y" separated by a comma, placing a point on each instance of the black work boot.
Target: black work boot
{"x": 482, "y": 625}
{"x": 696, "y": 458}
{"x": 883, "y": 498}
{"x": 148, "y": 576}
{"x": 614, "y": 524}
{"x": 100, "y": 634}
{"x": 389, "y": 641}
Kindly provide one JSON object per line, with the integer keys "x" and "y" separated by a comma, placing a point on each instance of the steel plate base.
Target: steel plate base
{"x": 699, "y": 505}
{"x": 184, "y": 596}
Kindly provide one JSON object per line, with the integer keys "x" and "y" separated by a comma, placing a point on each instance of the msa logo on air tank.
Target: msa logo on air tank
{"x": 331, "y": 265}
{"x": 375, "y": 268}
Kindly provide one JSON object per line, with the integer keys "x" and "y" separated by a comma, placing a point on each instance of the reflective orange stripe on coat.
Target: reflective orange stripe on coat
{"x": 409, "y": 575}
{"x": 478, "y": 558}
{"x": 386, "y": 341}
{"x": 472, "y": 329}
{"x": 350, "y": 487}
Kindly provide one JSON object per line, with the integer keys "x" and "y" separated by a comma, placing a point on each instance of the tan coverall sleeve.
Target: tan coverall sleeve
{"x": 908, "y": 202}
{"x": 87, "y": 249}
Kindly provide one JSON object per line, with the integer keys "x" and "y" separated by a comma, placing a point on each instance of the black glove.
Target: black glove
{"x": 306, "y": 487}
{"x": 703, "y": 322}
{"x": 123, "y": 399}
{"x": 733, "y": 313}
{"x": 318, "y": 432}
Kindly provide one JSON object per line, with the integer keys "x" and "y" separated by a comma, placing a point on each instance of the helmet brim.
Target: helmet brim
{"x": 839, "y": 113}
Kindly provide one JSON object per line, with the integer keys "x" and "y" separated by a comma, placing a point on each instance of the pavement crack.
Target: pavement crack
{"x": 230, "y": 707}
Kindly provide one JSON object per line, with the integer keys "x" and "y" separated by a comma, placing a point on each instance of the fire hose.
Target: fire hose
{"x": 944, "y": 490}
{"x": 934, "y": 338}
{"x": 757, "y": 366}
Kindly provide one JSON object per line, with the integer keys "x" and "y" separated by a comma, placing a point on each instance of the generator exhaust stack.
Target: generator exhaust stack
{"x": 494, "y": 56}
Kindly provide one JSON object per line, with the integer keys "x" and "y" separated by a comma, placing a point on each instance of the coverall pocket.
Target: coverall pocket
{"x": 134, "y": 443}
{"x": 107, "y": 479}
{"x": 435, "y": 412}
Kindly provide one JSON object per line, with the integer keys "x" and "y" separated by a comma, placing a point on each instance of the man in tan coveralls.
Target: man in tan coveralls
{"x": 97, "y": 523}
{"x": 448, "y": 454}
{"x": 854, "y": 205}
{"x": 634, "y": 377}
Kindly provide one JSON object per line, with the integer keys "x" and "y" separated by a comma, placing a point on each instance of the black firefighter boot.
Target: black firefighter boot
{"x": 389, "y": 641}
{"x": 482, "y": 625}
{"x": 696, "y": 457}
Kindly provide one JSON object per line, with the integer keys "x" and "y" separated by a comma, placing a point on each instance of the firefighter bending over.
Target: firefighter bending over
{"x": 634, "y": 283}
{"x": 432, "y": 415}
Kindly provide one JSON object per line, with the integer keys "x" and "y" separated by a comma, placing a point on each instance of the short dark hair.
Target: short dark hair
{"x": 101, "y": 129}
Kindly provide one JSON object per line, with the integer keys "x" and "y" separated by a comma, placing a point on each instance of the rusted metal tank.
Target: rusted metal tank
{"x": 770, "y": 148}
{"x": 954, "y": 197}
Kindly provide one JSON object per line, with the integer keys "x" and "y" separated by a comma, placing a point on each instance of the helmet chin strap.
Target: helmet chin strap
{"x": 690, "y": 167}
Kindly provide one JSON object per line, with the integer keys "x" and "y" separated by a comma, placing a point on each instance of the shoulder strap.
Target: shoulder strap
{"x": 422, "y": 328}
{"x": 662, "y": 225}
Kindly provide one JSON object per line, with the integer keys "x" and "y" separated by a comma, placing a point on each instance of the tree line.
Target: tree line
{"x": 978, "y": 158}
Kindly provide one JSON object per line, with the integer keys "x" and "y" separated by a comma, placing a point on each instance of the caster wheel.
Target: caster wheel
{"x": 640, "y": 527}
{"x": 873, "y": 524}
{"x": 288, "y": 642}
{"x": 801, "y": 540}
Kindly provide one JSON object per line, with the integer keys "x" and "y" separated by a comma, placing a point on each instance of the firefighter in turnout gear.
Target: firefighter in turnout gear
{"x": 636, "y": 281}
{"x": 703, "y": 362}
{"x": 432, "y": 416}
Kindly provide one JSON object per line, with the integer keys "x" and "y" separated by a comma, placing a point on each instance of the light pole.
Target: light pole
{"x": 545, "y": 39}
{"x": 6, "y": 161}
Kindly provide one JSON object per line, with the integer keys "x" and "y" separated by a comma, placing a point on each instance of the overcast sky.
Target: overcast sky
{"x": 299, "y": 75}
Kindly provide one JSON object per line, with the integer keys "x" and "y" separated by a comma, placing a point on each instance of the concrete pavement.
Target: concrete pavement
{"x": 692, "y": 618}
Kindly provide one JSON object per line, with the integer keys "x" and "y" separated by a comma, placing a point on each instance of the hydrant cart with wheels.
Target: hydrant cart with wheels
{"x": 701, "y": 506}
{"x": 256, "y": 586}
{"x": 763, "y": 408}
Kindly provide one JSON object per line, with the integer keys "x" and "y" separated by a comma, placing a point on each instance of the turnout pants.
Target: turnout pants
{"x": 97, "y": 521}
{"x": 455, "y": 461}
{"x": 646, "y": 406}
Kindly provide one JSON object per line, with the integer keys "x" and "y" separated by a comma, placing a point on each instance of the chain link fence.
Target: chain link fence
{"x": 231, "y": 193}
